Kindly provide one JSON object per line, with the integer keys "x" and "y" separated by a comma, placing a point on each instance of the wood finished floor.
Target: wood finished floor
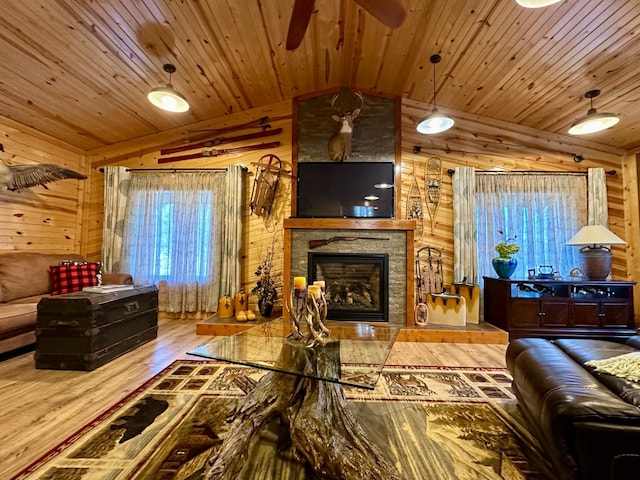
{"x": 41, "y": 408}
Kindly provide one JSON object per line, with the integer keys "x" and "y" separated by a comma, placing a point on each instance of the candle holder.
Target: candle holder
{"x": 308, "y": 305}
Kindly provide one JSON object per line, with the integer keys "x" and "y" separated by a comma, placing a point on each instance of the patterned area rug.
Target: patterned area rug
{"x": 431, "y": 422}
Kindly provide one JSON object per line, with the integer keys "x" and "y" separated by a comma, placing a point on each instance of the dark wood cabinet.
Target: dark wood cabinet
{"x": 560, "y": 308}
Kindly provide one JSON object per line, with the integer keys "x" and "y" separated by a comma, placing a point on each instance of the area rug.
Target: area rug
{"x": 435, "y": 423}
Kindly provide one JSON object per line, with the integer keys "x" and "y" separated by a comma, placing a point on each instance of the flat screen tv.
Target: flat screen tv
{"x": 346, "y": 190}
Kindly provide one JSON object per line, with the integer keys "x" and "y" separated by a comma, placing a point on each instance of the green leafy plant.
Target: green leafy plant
{"x": 507, "y": 247}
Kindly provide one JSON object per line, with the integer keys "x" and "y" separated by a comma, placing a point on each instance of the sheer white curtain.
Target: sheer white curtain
{"x": 541, "y": 211}
{"x": 172, "y": 237}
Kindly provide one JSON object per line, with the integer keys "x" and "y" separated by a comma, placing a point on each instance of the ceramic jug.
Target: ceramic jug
{"x": 241, "y": 301}
{"x": 225, "y": 306}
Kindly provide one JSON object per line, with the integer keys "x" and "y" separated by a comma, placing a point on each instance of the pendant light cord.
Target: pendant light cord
{"x": 435, "y": 58}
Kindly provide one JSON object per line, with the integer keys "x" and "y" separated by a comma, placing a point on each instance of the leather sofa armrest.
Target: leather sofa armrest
{"x": 117, "y": 279}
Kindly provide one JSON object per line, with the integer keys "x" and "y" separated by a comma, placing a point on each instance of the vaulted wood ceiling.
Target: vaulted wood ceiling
{"x": 80, "y": 70}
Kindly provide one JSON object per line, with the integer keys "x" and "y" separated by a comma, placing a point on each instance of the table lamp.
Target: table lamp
{"x": 596, "y": 254}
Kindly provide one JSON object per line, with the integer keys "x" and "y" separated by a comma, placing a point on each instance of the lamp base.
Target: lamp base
{"x": 597, "y": 262}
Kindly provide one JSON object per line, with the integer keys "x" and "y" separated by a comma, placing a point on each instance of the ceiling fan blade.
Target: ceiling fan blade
{"x": 389, "y": 12}
{"x": 300, "y": 16}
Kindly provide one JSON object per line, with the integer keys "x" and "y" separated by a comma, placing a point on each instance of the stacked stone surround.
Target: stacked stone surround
{"x": 395, "y": 247}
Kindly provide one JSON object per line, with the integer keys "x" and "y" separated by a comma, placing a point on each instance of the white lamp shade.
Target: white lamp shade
{"x": 595, "y": 235}
{"x": 168, "y": 99}
{"x": 593, "y": 122}
{"x": 536, "y": 3}
{"x": 435, "y": 122}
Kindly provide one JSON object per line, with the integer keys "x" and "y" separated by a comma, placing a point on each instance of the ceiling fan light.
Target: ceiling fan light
{"x": 435, "y": 122}
{"x": 168, "y": 99}
{"x": 593, "y": 122}
{"x": 536, "y": 3}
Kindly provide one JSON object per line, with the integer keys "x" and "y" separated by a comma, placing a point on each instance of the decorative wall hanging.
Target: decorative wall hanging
{"x": 414, "y": 203}
{"x": 265, "y": 184}
{"x": 18, "y": 177}
{"x": 214, "y": 142}
{"x": 433, "y": 187}
{"x": 217, "y": 152}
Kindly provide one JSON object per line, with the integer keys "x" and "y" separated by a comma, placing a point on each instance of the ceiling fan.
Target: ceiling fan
{"x": 389, "y": 12}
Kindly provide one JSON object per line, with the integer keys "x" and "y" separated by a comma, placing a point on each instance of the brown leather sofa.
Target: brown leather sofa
{"x": 24, "y": 280}
{"x": 588, "y": 423}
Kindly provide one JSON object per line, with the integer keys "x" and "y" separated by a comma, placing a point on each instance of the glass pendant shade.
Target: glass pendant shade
{"x": 168, "y": 99}
{"x": 435, "y": 122}
{"x": 536, "y": 3}
{"x": 593, "y": 122}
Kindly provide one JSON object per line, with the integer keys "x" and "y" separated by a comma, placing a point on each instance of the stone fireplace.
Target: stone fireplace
{"x": 361, "y": 238}
{"x": 356, "y": 284}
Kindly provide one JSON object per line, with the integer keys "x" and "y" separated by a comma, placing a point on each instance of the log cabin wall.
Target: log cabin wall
{"x": 39, "y": 219}
{"x": 259, "y": 233}
{"x": 473, "y": 141}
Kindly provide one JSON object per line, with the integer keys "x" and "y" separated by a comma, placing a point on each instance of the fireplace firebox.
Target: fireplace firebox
{"x": 356, "y": 285}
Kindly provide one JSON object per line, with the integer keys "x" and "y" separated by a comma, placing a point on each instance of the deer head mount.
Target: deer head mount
{"x": 340, "y": 142}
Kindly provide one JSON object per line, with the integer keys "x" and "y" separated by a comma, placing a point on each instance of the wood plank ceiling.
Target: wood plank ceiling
{"x": 80, "y": 70}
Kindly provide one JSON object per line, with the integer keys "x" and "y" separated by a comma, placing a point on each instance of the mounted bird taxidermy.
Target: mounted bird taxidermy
{"x": 19, "y": 177}
{"x": 389, "y": 12}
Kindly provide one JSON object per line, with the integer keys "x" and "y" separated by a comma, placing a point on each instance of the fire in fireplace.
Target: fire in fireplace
{"x": 356, "y": 285}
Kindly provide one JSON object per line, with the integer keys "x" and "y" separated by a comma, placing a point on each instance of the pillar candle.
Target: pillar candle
{"x": 299, "y": 284}
{"x": 315, "y": 291}
{"x": 320, "y": 283}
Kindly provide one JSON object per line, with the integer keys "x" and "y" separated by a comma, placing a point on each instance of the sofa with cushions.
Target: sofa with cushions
{"x": 26, "y": 277}
{"x": 581, "y": 399}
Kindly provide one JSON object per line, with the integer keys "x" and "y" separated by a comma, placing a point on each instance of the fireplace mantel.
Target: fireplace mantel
{"x": 350, "y": 224}
{"x": 329, "y": 227}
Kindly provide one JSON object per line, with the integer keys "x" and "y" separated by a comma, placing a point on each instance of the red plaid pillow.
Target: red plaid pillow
{"x": 69, "y": 278}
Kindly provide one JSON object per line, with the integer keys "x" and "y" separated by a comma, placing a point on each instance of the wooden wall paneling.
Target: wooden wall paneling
{"x": 473, "y": 141}
{"x": 631, "y": 200}
{"x": 485, "y": 146}
{"x": 258, "y": 232}
{"x": 40, "y": 219}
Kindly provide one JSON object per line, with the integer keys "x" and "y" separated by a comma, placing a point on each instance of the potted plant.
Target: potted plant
{"x": 265, "y": 287}
{"x": 504, "y": 264}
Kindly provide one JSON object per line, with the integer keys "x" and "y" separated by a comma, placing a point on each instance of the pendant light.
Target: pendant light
{"x": 536, "y": 3}
{"x": 435, "y": 122}
{"x": 593, "y": 121}
{"x": 167, "y": 98}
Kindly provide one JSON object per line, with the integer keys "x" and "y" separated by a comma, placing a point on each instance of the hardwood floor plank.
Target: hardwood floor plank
{"x": 41, "y": 408}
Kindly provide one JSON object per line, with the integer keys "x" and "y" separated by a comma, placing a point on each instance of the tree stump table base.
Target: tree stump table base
{"x": 313, "y": 416}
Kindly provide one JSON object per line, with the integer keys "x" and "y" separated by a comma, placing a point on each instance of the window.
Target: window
{"x": 171, "y": 232}
{"x": 541, "y": 211}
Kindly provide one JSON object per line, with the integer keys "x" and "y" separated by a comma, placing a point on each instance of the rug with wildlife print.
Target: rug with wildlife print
{"x": 436, "y": 423}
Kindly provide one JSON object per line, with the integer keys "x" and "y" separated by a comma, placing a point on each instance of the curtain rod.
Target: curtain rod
{"x": 244, "y": 169}
{"x": 451, "y": 171}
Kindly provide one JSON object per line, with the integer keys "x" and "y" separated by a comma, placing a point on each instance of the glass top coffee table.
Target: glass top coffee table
{"x": 363, "y": 347}
{"x": 302, "y": 392}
